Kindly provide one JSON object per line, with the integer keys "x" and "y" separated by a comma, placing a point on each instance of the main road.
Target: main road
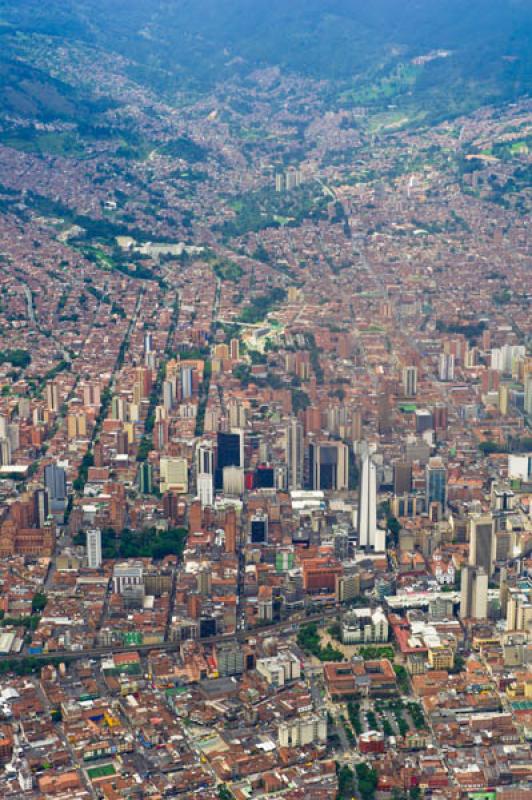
{"x": 100, "y": 652}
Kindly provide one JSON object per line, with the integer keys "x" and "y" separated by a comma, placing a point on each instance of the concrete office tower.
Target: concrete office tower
{"x": 205, "y": 473}
{"x": 356, "y": 426}
{"x": 295, "y": 453}
{"x": 174, "y": 475}
{"x": 238, "y": 415}
{"x": 91, "y": 394}
{"x": 519, "y": 607}
{"x": 42, "y": 507}
{"x": 55, "y": 482}
{"x": 94, "y": 548}
{"x": 119, "y": 409}
{"x": 503, "y": 358}
{"x": 24, "y": 408}
{"x": 5, "y": 452}
{"x": 402, "y": 478}
{"x": 52, "y": 397}
{"x": 446, "y": 367}
{"x": 234, "y": 349}
{"x": 482, "y": 542}
{"x": 292, "y": 178}
{"x": 230, "y": 453}
{"x": 528, "y": 395}
{"x": 410, "y": 381}
{"x": 205, "y": 489}
{"x": 168, "y": 394}
{"x": 233, "y": 481}
{"x": 145, "y": 478}
{"x": 258, "y": 528}
{"x": 148, "y": 344}
{"x": 474, "y": 593}
{"x": 367, "y": 503}
{"x": 303, "y": 730}
{"x": 329, "y": 466}
{"x": 436, "y": 482}
{"x": 186, "y": 383}
{"x": 384, "y": 414}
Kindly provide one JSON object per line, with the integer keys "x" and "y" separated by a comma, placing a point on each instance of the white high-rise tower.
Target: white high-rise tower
{"x": 205, "y": 473}
{"x": 368, "y": 533}
{"x": 94, "y": 548}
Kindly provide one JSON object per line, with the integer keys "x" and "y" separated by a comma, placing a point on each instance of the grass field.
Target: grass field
{"x": 102, "y": 771}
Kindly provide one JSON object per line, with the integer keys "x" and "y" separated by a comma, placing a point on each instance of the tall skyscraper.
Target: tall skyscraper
{"x": 205, "y": 473}
{"x": 329, "y": 466}
{"x": 528, "y": 395}
{"x": 94, "y": 548}
{"x": 55, "y": 482}
{"x": 186, "y": 383}
{"x": 168, "y": 394}
{"x": 436, "y": 482}
{"x": 148, "y": 343}
{"x": 205, "y": 489}
{"x": 446, "y": 367}
{"x": 474, "y": 593}
{"x": 230, "y": 453}
{"x": 410, "y": 381}
{"x": 402, "y": 478}
{"x": 294, "y": 453}
{"x": 205, "y": 458}
{"x": 384, "y": 414}
{"x": 174, "y": 475}
{"x": 482, "y": 542}
{"x": 52, "y": 397}
{"x": 367, "y": 503}
{"x": 258, "y": 528}
{"x": 145, "y": 478}
{"x": 42, "y": 509}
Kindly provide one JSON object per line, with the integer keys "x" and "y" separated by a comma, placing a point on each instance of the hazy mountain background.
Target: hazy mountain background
{"x": 364, "y": 50}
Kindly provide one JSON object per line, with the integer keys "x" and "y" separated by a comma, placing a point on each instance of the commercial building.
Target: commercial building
{"x": 174, "y": 475}
{"x": 94, "y": 548}
{"x": 280, "y": 669}
{"x": 229, "y": 453}
{"x": 474, "y": 593}
{"x": 126, "y": 574}
{"x": 56, "y": 485}
{"x": 362, "y": 625}
{"x": 410, "y": 381}
{"x": 436, "y": 482}
{"x": 482, "y": 542}
{"x": 303, "y": 730}
{"x": 295, "y": 454}
{"x": 329, "y": 466}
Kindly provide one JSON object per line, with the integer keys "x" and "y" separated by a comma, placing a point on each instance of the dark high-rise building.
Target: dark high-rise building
{"x": 42, "y": 509}
{"x": 264, "y": 478}
{"x": 258, "y": 528}
{"x": 482, "y": 542}
{"x": 423, "y": 420}
{"x": 295, "y": 454}
{"x": 402, "y": 478}
{"x": 230, "y": 453}
{"x": 55, "y": 482}
{"x": 436, "y": 482}
{"x": 329, "y": 466}
{"x": 384, "y": 415}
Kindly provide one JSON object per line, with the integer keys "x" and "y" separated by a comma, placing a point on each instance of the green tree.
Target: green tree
{"x": 38, "y": 603}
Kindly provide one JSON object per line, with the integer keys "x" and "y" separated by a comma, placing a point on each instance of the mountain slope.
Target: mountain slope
{"x": 195, "y": 43}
